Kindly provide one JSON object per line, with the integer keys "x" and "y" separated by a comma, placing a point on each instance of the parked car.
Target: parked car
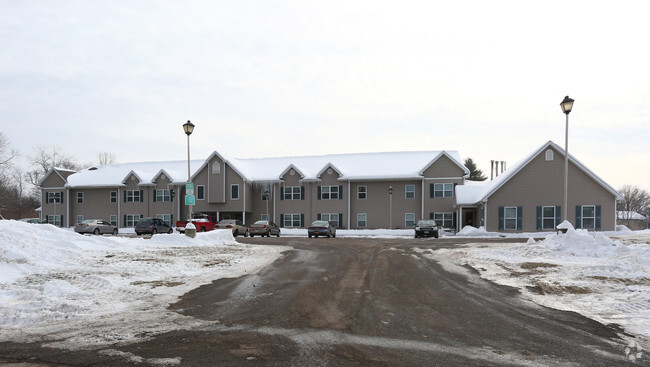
{"x": 33, "y": 220}
{"x": 152, "y": 226}
{"x": 426, "y": 228}
{"x": 202, "y": 222}
{"x": 95, "y": 226}
{"x": 321, "y": 228}
{"x": 236, "y": 225}
{"x": 264, "y": 228}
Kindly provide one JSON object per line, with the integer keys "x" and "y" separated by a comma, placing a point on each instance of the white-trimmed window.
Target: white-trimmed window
{"x": 133, "y": 196}
{"x": 80, "y": 198}
{"x": 329, "y": 192}
{"x": 548, "y": 216}
{"x": 292, "y": 220}
{"x": 443, "y": 190}
{"x": 333, "y": 218}
{"x": 362, "y": 192}
{"x": 362, "y": 219}
{"x": 234, "y": 192}
{"x": 80, "y": 218}
{"x": 409, "y": 191}
{"x": 292, "y": 193}
{"x": 131, "y": 219}
{"x": 113, "y": 197}
{"x": 167, "y": 218}
{"x": 409, "y": 219}
{"x": 55, "y": 220}
{"x": 113, "y": 220}
{"x": 54, "y": 197}
{"x": 445, "y": 220}
{"x": 200, "y": 192}
{"x": 549, "y": 155}
{"x": 216, "y": 168}
{"x": 163, "y": 195}
{"x": 588, "y": 217}
{"x": 510, "y": 218}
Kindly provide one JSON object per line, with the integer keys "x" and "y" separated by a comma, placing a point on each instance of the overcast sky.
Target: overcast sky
{"x": 278, "y": 78}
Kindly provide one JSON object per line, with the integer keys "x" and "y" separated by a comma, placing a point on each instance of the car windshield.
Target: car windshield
{"x": 88, "y": 221}
{"x": 261, "y": 222}
{"x": 319, "y": 223}
{"x": 426, "y": 222}
{"x": 227, "y": 221}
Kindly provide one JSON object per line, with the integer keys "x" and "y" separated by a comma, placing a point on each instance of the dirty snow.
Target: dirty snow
{"x": 73, "y": 291}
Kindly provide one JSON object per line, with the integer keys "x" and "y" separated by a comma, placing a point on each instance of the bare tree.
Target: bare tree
{"x": 45, "y": 158}
{"x": 106, "y": 158}
{"x": 635, "y": 200}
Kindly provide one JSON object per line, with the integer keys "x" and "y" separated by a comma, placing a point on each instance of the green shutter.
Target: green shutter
{"x": 281, "y": 220}
{"x": 318, "y": 216}
{"x": 431, "y": 190}
{"x": 141, "y": 196}
{"x": 519, "y": 218}
{"x": 302, "y": 193}
{"x": 154, "y": 195}
{"x": 501, "y": 217}
{"x": 578, "y": 217}
{"x": 598, "y": 217}
{"x": 124, "y": 220}
{"x": 319, "y": 192}
{"x": 539, "y": 218}
{"x": 340, "y": 192}
{"x": 453, "y": 219}
{"x": 62, "y": 201}
{"x": 341, "y": 220}
{"x": 302, "y": 220}
{"x": 431, "y": 215}
{"x": 281, "y": 193}
{"x": 558, "y": 215}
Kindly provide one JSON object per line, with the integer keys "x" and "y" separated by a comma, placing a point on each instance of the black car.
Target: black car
{"x": 426, "y": 228}
{"x": 152, "y": 226}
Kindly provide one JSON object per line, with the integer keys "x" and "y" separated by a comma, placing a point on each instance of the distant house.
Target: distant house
{"x": 632, "y": 220}
{"x": 354, "y": 191}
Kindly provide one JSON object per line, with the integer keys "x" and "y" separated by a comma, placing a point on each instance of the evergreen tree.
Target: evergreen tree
{"x": 475, "y": 174}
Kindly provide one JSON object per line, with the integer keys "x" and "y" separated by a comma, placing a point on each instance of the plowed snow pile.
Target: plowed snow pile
{"x": 79, "y": 290}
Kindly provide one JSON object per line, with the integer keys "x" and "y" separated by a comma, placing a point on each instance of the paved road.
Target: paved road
{"x": 359, "y": 302}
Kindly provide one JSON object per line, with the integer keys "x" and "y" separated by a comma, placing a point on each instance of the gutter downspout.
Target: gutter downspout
{"x": 243, "y": 213}
{"x": 422, "y": 214}
{"x": 67, "y": 207}
{"x": 349, "y": 209}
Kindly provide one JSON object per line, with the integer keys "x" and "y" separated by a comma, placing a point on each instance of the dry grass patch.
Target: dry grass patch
{"x": 557, "y": 289}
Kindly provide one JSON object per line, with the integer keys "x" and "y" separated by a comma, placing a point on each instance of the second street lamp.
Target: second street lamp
{"x": 188, "y": 127}
{"x": 567, "y": 106}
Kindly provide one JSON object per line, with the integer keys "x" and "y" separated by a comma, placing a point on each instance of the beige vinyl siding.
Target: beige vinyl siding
{"x": 541, "y": 183}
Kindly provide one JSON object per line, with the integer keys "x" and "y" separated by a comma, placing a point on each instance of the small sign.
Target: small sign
{"x": 189, "y": 200}
{"x": 189, "y": 188}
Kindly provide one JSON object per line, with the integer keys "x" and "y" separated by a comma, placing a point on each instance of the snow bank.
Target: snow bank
{"x": 82, "y": 288}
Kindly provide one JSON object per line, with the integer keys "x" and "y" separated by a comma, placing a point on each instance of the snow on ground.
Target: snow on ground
{"x": 73, "y": 291}
{"x": 589, "y": 273}
{"x": 76, "y": 290}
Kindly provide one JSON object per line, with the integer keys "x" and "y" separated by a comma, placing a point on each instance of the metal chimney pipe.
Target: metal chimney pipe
{"x": 492, "y": 170}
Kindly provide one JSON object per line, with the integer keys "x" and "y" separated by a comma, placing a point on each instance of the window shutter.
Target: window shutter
{"x": 141, "y": 196}
{"x": 125, "y": 196}
{"x": 519, "y": 218}
{"x": 454, "y": 191}
{"x": 431, "y": 215}
{"x": 281, "y": 220}
{"x": 453, "y": 218}
{"x": 61, "y": 217}
{"x": 539, "y": 218}
{"x": 318, "y": 216}
{"x": 62, "y": 202}
{"x": 558, "y": 215}
{"x": 431, "y": 190}
{"x": 578, "y": 217}
{"x": 501, "y": 216}
{"x": 302, "y": 220}
{"x": 340, "y": 192}
{"x": 155, "y": 192}
{"x": 598, "y": 217}
{"x": 281, "y": 192}
{"x": 124, "y": 220}
{"x": 340, "y": 220}
{"x": 302, "y": 193}
{"x": 319, "y": 192}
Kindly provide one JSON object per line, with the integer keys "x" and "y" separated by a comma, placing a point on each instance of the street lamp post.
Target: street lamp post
{"x": 188, "y": 127}
{"x": 567, "y": 106}
{"x": 390, "y": 207}
{"x": 266, "y": 195}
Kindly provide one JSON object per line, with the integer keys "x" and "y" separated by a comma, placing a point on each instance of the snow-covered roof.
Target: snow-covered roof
{"x": 475, "y": 192}
{"x": 622, "y": 214}
{"x": 358, "y": 166}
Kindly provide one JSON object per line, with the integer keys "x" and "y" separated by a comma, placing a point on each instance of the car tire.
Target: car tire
{"x": 235, "y": 234}
{"x": 435, "y": 234}
{"x": 202, "y": 229}
{"x": 171, "y": 230}
{"x": 115, "y": 232}
{"x": 252, "y": 235}
{"x": 333, "y": 235}
{"x": 96, "y": 231}
{"x": 154, "y": 231}
{"x": 247, "y": 233}
{"x": 278, "y": 235}
{"x": 308, "y": 235}
{"x": 328, "y": 235}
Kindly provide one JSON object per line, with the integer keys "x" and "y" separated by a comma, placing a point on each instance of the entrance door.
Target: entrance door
{"x": 468, "y": 219}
